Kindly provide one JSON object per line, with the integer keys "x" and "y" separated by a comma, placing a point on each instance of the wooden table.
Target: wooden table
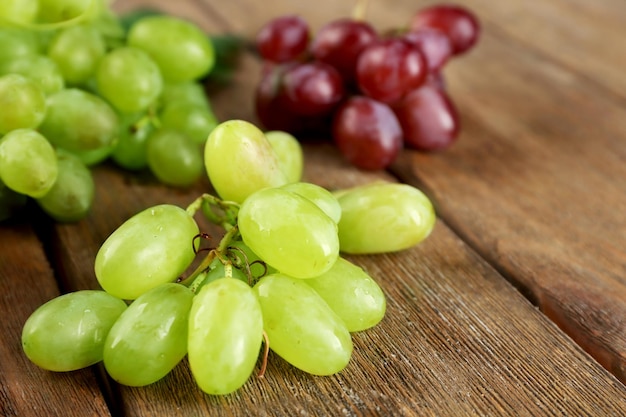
{"x": 515, "y": 305}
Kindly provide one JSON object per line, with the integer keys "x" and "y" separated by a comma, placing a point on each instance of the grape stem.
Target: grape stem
{"x": 208, "y": 202}
{"x": 360, "y": 9}
{"x": 198, "y": 273}
{"x": 266, "y": 353}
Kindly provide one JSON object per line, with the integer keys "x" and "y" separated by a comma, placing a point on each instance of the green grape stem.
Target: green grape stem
{"x": 207, "y": 202}
{"x": 195, "y": 279}
{"x": 360, "y": 10}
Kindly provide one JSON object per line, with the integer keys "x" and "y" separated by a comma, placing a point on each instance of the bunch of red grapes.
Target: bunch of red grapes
{"x": 372, "y": 93}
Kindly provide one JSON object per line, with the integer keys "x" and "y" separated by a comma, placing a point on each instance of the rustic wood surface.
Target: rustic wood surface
{"x": 515, "y": 305}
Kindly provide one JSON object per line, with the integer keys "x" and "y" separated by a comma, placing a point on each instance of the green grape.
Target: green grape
{"x": 39, "y": 68}
{"x": 195, "y": 121}
{"x": 151, "y": 248}
{"x": 94, "y": 156}
{"x": 18, "y": 11}
{"x": 180, "y": 49}
{"x": 225, "y": 335}
{"x": 301, "y": 327}
{"x": 68, "y": 332}
{"x": 130, "y": 152}
{"x": 11, "y": 202}
{"x": 22, "y": 103}
{"x": 320, "y": 196}
{"x": 352, "y": 294}
{"x": 28, "y": 163}
{"x": 150, "y": 338}
{"x": 289, "y": 232}
{"x": 79, "y": 121}
{"x": 77, "y": 51}
{"x": 239, "y": 161}
{"x": 17, "y": 42}
{"x": 289, "y": 153}
{"x": 72, "y": 194}
{"x": 129, "y": 79}
{"x": 188, "y": 92}
{"x": 174, "y": 158}
{"x": 54, "y": 11}
{"x": 383, "y": 217}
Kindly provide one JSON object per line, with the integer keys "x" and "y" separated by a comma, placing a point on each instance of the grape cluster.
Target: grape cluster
{"x": 373, "y": 93}
{"x": 78, "y": 86}
{"x": 278, "y": 274}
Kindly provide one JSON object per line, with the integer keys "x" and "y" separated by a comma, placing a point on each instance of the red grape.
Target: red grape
{"x": 387, "y": 69}
{"x": 340, "y": 42}
{"x": 274, "y": 110}
{"x": 428, "y": 118}
{"x": 457, "y": 22}
{"x": 312, "y": 88}
{"x": 367, "y": 133}
{"x": 434, "y": 44}
{"x": 283, "y": 39}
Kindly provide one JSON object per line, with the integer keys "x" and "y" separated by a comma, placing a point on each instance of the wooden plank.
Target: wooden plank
{"x": 26, "y": 282}
{"x": 536, "y": 185}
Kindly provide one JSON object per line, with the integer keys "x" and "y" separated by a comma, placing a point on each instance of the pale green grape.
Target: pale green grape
{"x": 301, "y": 327}
{"x": 174, "y": 158}
{"x": 194, "y": 120}
{"x": 225, "y": 335}
{"x": 28, "y": 163}
{"x": 187, "y": 92}
{"x": 17, "y": 42}
{"x": 384, "y": 217}
{"x": 94, "y": 156}
{"x": 240, "y": 160}
{"x": 39, "y": 68}
{"x": 351, "y": 293}
{"x": 77, "y": 51}
{"x": 18, "y": 11}
{"x": 72, "y": 194}
{"x": 151, "y": 248}
{"x": 130, "y": 151}
{"x": 129, "y": 79}
{"x": 53, "y": 11}
{"x": 289, "y": 153}
{"x": 79, "y": 121}
{"x": 289, "y": 232}
{"x": 320, "y": 196}
{"x": 68, "y": 332}
{"x": 180, "y": 49}
{"x": 22, "y": 103}
{"x": 11, "y": 202}
{"x": 150, "y": 338}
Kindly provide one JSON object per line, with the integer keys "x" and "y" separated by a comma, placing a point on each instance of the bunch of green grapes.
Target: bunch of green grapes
{"x": 278, "y": 277}
{"x": 77, "y": 86}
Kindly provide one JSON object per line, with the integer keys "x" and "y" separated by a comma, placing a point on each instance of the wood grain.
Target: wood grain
{"x": 531, "y": 204}
{"x": 26, "y": 282}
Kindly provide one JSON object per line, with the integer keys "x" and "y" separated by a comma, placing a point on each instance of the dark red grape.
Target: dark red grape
{"x": 340, "y": 42}
{"x": 460, "y": 24}
{"x": 312, "y": 88}
{"x": 274, "y": 110}
{"x": 387, "y": 69}
{"x": 283, "y": 39}
{"x": 428, "y": 118}
{"x": 434, "y": 44}
{"x": 367, "y": 133}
